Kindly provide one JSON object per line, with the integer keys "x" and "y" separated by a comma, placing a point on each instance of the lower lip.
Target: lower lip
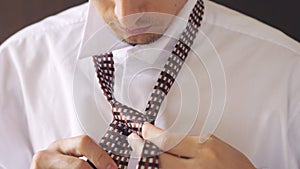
{"x": 136, "y": 31}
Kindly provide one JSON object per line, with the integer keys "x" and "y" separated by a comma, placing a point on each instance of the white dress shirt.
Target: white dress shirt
{"x": 239, "y": 83}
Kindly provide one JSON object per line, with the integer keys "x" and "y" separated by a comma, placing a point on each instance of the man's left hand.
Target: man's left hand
{"x": 188, "y": 153}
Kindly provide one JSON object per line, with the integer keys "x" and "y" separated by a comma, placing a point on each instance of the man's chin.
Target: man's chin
{"x": 142, "y": 38}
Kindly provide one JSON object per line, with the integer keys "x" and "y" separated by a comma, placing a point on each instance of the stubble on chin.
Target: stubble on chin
{"x": 133, "y": 39}
{"x": 141, "y": 39}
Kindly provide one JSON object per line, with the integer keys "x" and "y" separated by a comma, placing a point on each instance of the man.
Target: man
{"x": 49, "y": 98}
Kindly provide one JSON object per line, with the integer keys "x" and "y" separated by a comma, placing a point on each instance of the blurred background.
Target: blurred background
{"x": 16, "y": 14}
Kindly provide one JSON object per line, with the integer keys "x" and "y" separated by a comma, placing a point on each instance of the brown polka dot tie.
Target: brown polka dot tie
{"x": 126, "y": 119}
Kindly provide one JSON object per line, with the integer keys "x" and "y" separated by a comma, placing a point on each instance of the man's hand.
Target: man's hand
{"x": 65, "y": 154}
{"x": 188, "y": 153}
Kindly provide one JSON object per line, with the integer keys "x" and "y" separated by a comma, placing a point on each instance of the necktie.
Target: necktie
{"x": 127, "y": 120}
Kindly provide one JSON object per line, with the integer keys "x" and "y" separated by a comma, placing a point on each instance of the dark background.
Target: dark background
{"x": 16, "y": 14}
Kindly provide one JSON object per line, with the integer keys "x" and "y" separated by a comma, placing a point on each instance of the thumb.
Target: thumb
{"x": 162, "y": 138}
{"x": 151, "y": 132}
{"x": 136, "y": 143}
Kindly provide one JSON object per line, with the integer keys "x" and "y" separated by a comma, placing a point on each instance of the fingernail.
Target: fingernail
{"x": 136, "y": 144}
{"x": 133, "y": 136}
{"x": 146, "y": 125}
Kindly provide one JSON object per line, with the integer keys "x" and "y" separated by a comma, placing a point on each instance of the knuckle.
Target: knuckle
{"x": 40, "y": 155}
{"x": 38, "y": 158}
{"x": 54, "y": 144}
{"x": 84, "y": 140}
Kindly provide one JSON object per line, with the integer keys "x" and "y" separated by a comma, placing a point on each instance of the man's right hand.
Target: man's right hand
{"x": 65, "y": 153}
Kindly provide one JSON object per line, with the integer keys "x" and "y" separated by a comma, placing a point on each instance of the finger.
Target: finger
{"x": 84, "y": 146}
{"x": 136, "y": 143}
{"x": 170, "y": 142}
{"x": 166, "y": 161}
{"x": 51, "y": 159}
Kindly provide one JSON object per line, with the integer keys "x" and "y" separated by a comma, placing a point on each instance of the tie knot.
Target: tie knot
{"x": 128, "y": 116}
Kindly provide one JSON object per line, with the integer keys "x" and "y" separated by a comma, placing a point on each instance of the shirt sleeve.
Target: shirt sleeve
{"x": 294, "y": 113}
{"x": 15, "y": 147}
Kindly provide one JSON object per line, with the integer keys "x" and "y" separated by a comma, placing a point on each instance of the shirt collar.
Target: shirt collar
{"x": 98, "y": 38}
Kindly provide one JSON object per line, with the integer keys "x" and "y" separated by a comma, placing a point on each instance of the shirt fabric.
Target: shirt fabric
{"x": 49, "y": 90}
